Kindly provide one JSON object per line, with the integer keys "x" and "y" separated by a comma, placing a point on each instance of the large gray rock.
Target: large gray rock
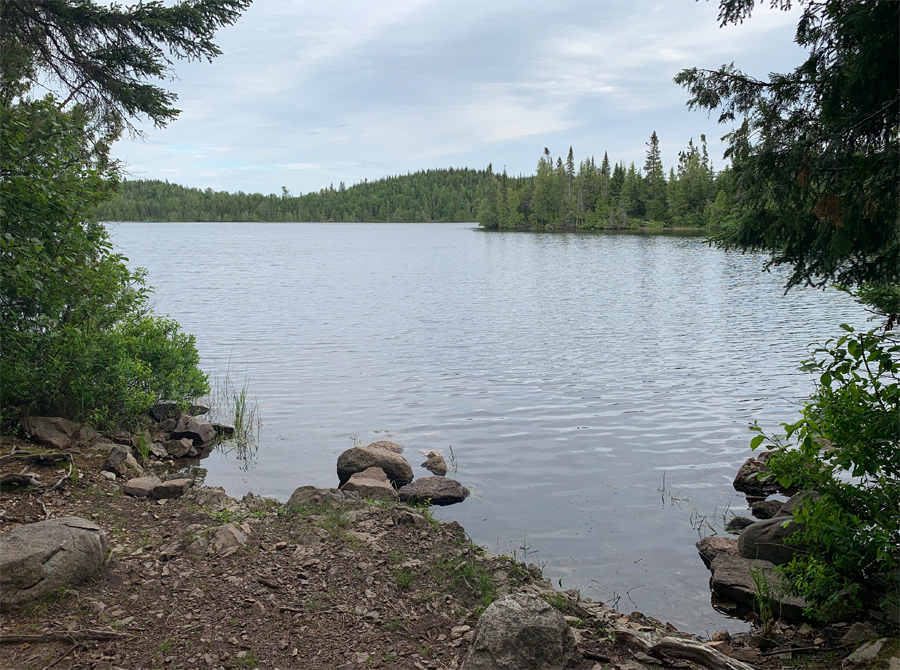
{"x": 437, "y": 490}
{"x": 385, "y": 444}
{"x": 121, "y": 461}
{"x": 357, "y": 459}
{"x": 520, "y": 632}
{"x": 140, "y": 487}
{"x": 749, "y": 583}
{"x": 55, "y": 432}
{"x": 199, "y": 431}
{"x": 371, "y": 483}
{"x": 764, "y": 540}
{"x": 38, "y": 558}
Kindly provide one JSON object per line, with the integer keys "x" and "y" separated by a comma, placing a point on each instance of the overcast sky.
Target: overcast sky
{"x": 311, "y": 93}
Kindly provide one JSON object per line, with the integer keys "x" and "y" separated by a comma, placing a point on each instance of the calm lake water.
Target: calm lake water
{"x": 595, "y": 389}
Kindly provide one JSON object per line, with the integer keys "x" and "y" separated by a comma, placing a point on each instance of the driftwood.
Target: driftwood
{"x": 690, "y": 650}
{"x": 70, "y": 636}
{"x": 46, "y": 459}
{"x": 19, "y": 479}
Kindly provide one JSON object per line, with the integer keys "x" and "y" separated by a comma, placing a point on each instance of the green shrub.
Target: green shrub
{"x": 846, "y": 447}
{"x": 77, "y": 339}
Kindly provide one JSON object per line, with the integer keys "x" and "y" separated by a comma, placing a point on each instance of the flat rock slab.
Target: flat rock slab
{"x": 358, "y": 459}
{"x": 36, "y": 559}
{"x": 140, "y": 487}
{"x": 197, "y": 430}
{"x": 371, "y": 483}
{"x": 766, "y": 509}
{"x": 765, "y": 540}
{"x": 749, "y": 582}
{"x": 711, "y": 546}
{"x": 305, "y": 496}
{"x": 172, "y": 488}
{"x": 437, "y": 490}
{"x": 520, "y": 632}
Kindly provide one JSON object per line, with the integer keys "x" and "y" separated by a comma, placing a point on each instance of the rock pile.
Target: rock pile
{"x": 379, "y": 471}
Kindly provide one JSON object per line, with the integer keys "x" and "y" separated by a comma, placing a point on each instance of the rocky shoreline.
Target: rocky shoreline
{"x": 188, "y": 577}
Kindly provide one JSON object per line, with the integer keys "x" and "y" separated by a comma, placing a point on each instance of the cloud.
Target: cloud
{"x": 306, "y": 94}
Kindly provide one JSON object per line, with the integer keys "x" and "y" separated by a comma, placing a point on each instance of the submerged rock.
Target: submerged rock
{"x": 357, "y": 459}
{"x": 437, "y": 490}
{"x": 36, "y": 559}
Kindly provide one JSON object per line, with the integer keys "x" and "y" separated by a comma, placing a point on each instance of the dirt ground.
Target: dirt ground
{"x": 327, "y": 585}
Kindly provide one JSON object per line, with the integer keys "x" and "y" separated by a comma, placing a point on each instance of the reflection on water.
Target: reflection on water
{"x": 569, "y": 373}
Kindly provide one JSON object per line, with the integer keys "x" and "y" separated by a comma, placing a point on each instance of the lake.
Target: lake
{"x": 596, "y": 389}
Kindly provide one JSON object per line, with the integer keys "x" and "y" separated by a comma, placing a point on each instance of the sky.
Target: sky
{"x": 307, "y": 94}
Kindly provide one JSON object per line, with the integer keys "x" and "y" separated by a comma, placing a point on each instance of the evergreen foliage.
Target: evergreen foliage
{"x": 429, "y": 195}
{"x": 559, "y": 197}
{"x": 816, "y": 152}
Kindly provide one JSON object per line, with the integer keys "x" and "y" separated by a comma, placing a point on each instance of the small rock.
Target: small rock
{"x": 179, "y": 448}
{"x": 140, "y": 487}
{"x": 737, "y": 524}
{"x": 459, "y": 631}
{"x": 213, "y": 496}
{"x": 765, "y": 509}
{"x": 197, "y": 430}
{"x": 747, "y": 481}
{"x": 121, "y": 461}
{"x": 172, "y": 488}
{"x": 360, "y": 657}
{"x": 111, "y": 476}
{"x": 435, "y": 464}
{"x": 258, "y": 608}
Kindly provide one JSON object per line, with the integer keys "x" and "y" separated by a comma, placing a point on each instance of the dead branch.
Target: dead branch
{"x": 70, "y": 636}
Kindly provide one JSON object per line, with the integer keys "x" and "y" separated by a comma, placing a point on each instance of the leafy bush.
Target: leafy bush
{"x": 846, "y": 449}
{"x": 77, "y": 339}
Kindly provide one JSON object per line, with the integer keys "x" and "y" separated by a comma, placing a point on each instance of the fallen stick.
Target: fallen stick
{"x": 70, "y": 636}
{"x": 690, "y": 650}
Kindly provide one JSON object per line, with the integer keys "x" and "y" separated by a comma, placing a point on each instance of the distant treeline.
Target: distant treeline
{"x": 602, "y": 196}
{"x": 430, "y": 195}
{"x": 557, "y": 197}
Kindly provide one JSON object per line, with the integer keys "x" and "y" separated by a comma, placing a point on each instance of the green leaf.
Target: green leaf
{"x": 756, "y": 441}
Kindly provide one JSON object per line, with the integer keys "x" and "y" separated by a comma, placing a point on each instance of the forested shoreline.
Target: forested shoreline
{"x": 430, "y": 195}
{"x": 556, "y": 197}
{"x": 606, "y": 196}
